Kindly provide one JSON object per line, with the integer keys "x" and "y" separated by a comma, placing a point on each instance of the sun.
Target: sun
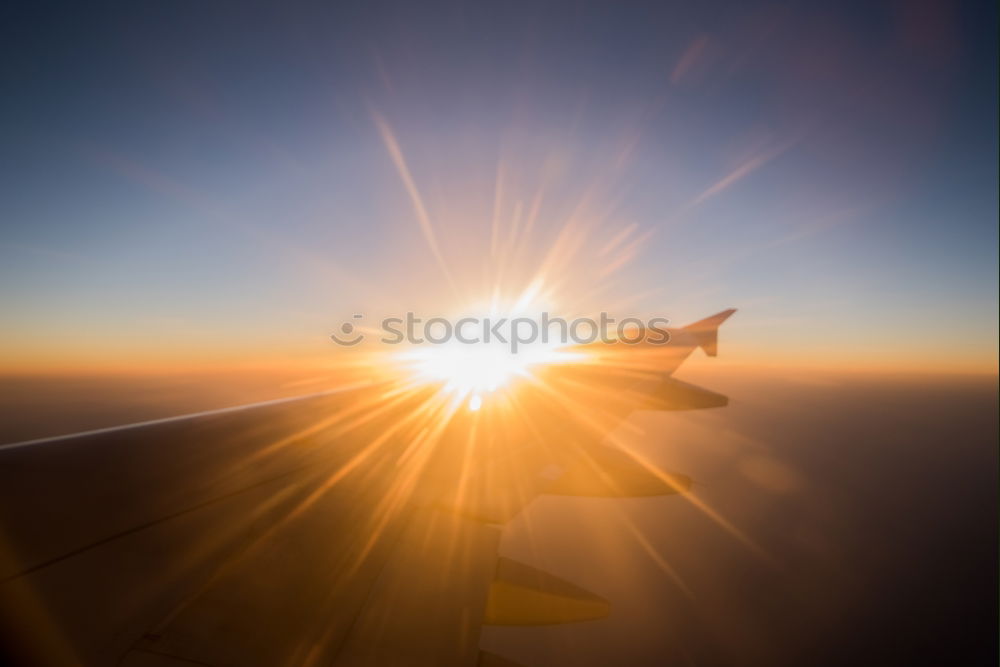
{"x": 475, "y": 370}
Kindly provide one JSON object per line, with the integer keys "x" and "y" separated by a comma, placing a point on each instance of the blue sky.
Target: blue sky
{"x": 212, "y": 178}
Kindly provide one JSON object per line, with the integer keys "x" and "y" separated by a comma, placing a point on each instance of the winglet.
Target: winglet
{"x": 706, "y": 331}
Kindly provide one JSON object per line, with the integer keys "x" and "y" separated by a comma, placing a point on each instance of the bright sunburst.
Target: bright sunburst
{"x": 476, "y": 370}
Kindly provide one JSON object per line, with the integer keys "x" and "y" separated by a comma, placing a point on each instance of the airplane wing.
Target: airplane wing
{"x": 361, "y": 526}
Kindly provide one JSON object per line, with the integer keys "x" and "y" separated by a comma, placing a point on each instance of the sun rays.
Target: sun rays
{"x": 477, "y": 429}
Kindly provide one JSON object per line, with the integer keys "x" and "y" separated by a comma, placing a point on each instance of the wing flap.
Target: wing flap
{"x": 523, "y": 595}
{"x": 673, "y": 395}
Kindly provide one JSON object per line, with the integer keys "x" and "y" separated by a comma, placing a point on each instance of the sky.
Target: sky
{"x": 189, "y": 184}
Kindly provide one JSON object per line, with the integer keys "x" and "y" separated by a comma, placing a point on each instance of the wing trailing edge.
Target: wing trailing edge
{"x": 605, "y": 472}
